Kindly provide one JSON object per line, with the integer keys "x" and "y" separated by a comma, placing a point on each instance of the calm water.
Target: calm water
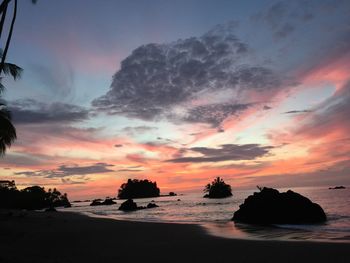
{"x": 215, "y": 214}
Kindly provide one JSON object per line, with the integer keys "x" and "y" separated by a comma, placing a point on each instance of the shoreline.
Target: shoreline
{"x": 229, "y": 230}
{"x": 71, "y": 237}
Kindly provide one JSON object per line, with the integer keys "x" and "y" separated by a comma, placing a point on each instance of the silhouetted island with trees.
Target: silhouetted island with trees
{"x": 217, "y": 189}
{"x": 269, "y": 206}
{"x": 138, "y": 189}
{"x": 30, "y": 198}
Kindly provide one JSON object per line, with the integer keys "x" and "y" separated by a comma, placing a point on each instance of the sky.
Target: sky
{"x": 179, "y": 92}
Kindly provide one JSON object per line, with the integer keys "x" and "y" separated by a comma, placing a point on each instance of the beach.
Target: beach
{"x": 70, "y": 237}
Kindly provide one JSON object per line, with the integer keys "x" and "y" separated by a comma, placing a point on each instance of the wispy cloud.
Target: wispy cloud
{"x": 71, "y": 170}
{"x": 227, "y": 152}
{"x": 34, "y": 112}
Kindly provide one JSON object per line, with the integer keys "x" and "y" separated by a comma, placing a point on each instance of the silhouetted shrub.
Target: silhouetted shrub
{"x": 269, "y": 206}
{"x": 217, "y": 189}
{"x": 31, "y": 198}
{"x": 138, "y": 189}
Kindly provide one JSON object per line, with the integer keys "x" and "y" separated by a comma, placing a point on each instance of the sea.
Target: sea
{"x": 215, "y": 215}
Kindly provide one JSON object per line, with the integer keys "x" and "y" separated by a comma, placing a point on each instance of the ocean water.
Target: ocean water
{"x": 215, "y": 215}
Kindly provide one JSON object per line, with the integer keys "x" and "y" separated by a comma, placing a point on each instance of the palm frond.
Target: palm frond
{"x": 2, "y": 87}
{"x": 3, "y": 58}
{"x": 7, "y": 130}
{"x": 12, "y": 69}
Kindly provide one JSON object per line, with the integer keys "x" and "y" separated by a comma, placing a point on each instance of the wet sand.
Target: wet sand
{"x": 68, "y": 237}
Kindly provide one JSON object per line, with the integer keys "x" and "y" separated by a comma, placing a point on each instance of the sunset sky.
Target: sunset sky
{"x": 257, "y": 92}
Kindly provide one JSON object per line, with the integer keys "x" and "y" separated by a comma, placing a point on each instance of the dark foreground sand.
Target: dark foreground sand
{"x": 66, "y": 237}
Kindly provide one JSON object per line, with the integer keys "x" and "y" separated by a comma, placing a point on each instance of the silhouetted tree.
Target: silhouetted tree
{"x": 138, "y": 189}
{"x": 218, "y": 189}
{"x": 31, "y": 198}
{"x": 7, "y": 130}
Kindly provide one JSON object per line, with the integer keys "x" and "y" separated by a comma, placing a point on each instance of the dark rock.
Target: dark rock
{"x": 108, "y": 201}
{"x": 128, "y": 205}
{"x": 50, "y": 209}
{"x": 151, "y": 205}
{"x": 96, "y": 202}
{"x": 172, "y": 194}
{"x": 178, "y": 199}
{"x": 272, "y": 207}
{"x": 337, "y": 187}
{"x": 67, "y": 206}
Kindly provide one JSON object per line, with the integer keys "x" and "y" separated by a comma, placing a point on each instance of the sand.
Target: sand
{"x": 68, "y": 237}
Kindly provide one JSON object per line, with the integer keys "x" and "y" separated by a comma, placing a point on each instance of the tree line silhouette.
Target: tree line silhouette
{"x": 30, "y": 198}
{"x": 138, "y": 189}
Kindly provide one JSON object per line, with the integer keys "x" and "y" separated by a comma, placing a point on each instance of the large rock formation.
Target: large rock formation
{"x": 272, "y": 207}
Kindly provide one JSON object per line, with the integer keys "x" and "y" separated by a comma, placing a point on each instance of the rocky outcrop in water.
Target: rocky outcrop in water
{"x": 269, "y": 206}
{"x": 130, "y": 205}
{"x": 337, "y": 187}
{"x": 107, "y": 201}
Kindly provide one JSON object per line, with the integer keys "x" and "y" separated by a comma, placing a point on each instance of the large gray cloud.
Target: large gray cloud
{"x": 227, "y": 152}
{"x": 158, "y": 79}
{"x": 64, "y": 171}
{"x": 30, "y": 111}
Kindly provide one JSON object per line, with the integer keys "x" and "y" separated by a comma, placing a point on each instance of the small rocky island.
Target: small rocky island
{"x": 217, "y": 189}
{"x": 337, "y": 187}
{"x": 269, "y": 206}
{"x": 138, "y": 189}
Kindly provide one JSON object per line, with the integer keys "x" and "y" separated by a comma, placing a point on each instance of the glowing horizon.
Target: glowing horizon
{"x": 258, "y": 96}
